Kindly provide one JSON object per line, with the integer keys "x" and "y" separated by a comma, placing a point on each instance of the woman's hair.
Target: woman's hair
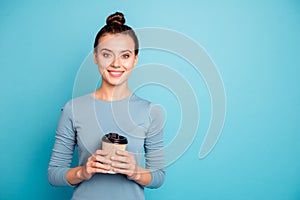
{"x": 115, "y": 24}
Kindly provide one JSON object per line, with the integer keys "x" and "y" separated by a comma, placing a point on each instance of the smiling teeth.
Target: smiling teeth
{"x": 116, "y": 73}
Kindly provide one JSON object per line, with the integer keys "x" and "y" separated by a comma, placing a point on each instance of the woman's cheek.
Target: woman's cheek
{"x": 128, "y": 65}
{"x": 101, "y": 69}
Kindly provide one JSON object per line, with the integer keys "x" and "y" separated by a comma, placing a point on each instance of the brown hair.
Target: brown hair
{"x": 115, "y": 24}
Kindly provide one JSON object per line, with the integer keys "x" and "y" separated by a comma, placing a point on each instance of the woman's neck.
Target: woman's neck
{"x": 112, "y": 93}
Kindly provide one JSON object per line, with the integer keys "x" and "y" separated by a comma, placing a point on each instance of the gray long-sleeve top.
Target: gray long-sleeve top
{"x": 83, "y": 122}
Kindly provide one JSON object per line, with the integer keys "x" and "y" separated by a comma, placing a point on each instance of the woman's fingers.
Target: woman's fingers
{"x": 98, "y": 163}
{"x": 102, "y": 160}
{"x": 101, "y": 152}
{"x": 121, "y": 165}
{"x": 101, "y": 156}
{"x": 122, "y": 171}
{"x": 124, "y": 163}
{"x": 123, "y": 156}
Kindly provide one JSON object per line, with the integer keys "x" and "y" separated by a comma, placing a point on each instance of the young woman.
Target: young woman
{"x": 111, "y": 108}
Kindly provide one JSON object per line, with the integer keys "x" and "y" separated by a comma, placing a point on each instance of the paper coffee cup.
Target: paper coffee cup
{"x": 112, "y": 142}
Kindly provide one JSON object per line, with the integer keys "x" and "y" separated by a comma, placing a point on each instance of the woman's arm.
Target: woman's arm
{"x": 63, "y": 150}
{"x": 59, "y": 171}
{"x": 154, "y": 147}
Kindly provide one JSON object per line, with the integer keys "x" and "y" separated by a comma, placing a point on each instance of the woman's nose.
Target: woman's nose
{"x": 116, "y": 62}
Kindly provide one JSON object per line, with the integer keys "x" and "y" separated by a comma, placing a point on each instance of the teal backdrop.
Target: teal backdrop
{"x": 254, "y": 44}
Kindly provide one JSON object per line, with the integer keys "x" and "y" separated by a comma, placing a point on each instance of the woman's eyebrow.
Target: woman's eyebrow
{"x": 105, "y": 49}
{"x": 122, "y": 51}
{"x": 127, "y": 50}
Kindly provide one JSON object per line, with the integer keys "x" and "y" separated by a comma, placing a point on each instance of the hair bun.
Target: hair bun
{"x": 115, "y": 19}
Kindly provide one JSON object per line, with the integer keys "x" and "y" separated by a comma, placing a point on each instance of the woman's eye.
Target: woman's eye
{"x": 125, "y": 56}
{"x": 106, "y": 55}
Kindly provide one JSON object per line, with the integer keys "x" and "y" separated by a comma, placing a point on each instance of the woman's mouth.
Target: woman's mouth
{"x": 115, "y": 74}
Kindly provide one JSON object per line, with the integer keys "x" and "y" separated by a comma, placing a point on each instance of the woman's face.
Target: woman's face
{"x": 115, "y": 58}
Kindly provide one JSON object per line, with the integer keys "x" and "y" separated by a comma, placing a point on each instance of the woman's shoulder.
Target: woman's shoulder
{"x": 81, "y": 99}
{"x": 77, "y": 101}
{"x": 146, "y": 104}
{"x": 139, "y": 101}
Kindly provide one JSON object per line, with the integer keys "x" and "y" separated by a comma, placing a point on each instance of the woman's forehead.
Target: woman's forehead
{"x": 116, "y": 42}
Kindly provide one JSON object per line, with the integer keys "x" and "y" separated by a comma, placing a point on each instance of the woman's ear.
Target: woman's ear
{"x": 136, "y": 59}
{"x": 95, "y": 57}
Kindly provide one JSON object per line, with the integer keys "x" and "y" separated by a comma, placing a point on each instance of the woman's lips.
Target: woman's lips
{"x": 115, "y": 74}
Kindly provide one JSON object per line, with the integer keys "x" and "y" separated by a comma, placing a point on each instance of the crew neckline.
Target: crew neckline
{"x": 115, "y": 101}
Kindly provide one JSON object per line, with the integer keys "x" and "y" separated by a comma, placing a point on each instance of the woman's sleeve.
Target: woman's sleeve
{"x": 154, "y": 148}
{"x": 63, "y": 150}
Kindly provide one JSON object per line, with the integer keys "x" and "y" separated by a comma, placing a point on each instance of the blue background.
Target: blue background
{"x": 255, "y": 45}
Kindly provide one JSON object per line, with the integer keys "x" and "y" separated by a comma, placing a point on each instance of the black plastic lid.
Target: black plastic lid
{"x": 114, "y": 138}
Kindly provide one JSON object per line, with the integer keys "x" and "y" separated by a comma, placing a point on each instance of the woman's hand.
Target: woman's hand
{"x": 124, "y": 163}
{"x": 97, "y": 163}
